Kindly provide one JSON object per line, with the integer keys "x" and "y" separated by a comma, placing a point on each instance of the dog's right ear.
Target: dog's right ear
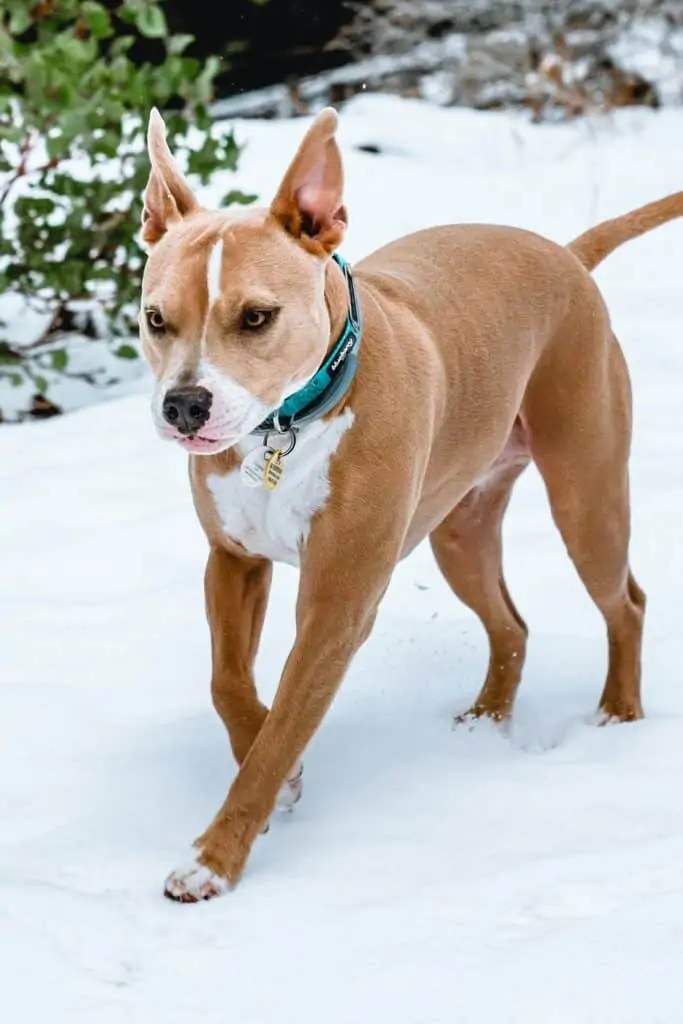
{"x": 168, "y": 198}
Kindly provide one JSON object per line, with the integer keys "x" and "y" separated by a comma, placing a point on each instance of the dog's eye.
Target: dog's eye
{"x": 155, "y": 320}
{"x": 256, "y": 319}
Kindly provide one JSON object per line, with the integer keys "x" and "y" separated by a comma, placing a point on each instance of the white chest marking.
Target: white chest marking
{"x": 274, "y": 523}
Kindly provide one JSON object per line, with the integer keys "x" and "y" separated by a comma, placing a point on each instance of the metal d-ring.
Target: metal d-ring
{"x": 283, "y": 452}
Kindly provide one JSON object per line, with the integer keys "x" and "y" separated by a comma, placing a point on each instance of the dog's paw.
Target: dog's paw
{"x": 290, "y": 794}
{"x": 617, "y": 714}
{"x": 194, "y": 883}
{"x": 476, "y": 716}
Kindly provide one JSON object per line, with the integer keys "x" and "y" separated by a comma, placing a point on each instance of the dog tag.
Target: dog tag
{"x": 273, "y": 471}
{"x": 253, "y": 467}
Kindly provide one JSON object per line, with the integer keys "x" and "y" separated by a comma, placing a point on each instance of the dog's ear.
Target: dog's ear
{"x": 168, "y": 197}
{"x": 309, "y": 203}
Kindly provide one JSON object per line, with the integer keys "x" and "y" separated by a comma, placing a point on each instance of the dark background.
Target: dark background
{"x": 264, "y": 43}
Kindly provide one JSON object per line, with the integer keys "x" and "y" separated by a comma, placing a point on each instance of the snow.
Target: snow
{"x": 428, "y": 875}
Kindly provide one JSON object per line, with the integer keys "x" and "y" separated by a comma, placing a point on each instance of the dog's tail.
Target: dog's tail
{"x": 594, "y": 245}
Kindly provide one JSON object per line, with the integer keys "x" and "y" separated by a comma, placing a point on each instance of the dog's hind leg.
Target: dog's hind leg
{"x": 468, "y": 550}
{"x": 579, "y": 427}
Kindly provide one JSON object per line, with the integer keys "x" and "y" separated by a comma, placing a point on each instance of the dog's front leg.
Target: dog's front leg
{"x": 345, "y": 570}
{"x": 236, "y": 591}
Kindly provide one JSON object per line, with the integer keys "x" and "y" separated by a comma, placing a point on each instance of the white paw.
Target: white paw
{"x": 290, "y": 794}
{"x": 193, "y": 883}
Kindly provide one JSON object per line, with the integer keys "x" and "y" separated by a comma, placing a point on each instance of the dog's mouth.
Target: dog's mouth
{"x": 196, "y": 444}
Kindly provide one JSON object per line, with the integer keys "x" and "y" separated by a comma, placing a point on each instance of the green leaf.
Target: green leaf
{"x": 113, "y": 109}
{"x": 203, "y": 85}
{"x": 121, "y": 45}
{"x": 73, "y": 124}
{"x": 16, "y": 379}
{"x": 76, "y": 51}
{"x": 41, "y": 384}
{"x": 108, "y": 144}
{"x": 8, "y": 357}
{"x": 176, "y": 44}
{"x": 151, "y": 22}
{"x": 237, "y": 197}
{"x": 126, "y": 352}
{"x": 97, "y": 19}
{"x": 59, "y": 359}
{"x": 20, "y": 19}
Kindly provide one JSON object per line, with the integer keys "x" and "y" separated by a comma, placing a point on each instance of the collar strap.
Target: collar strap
{"x": 331, "y": 381}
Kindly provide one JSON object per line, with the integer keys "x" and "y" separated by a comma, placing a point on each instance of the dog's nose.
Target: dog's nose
{"x": 187, "y": 409}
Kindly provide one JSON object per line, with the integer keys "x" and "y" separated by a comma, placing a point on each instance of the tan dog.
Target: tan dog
{"x": 482, "y": 348}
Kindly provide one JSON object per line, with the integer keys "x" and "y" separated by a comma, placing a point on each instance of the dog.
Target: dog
{"x": 335, "y": 418}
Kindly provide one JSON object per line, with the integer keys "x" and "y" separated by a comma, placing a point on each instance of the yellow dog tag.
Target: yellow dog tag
{"x": 273, "y": 471}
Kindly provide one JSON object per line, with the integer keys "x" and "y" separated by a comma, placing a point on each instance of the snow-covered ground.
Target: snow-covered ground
{"x": 428, "y": 876}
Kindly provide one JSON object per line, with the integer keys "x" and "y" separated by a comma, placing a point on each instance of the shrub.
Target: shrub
{"x": 73, "y": 109}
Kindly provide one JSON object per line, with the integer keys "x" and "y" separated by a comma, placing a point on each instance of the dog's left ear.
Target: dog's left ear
{"x": 309, "y": 203}
{"x": 168, "y": 198}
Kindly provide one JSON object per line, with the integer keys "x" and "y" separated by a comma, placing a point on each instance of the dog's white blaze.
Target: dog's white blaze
{"x": 164, "y": 384}
{"x": 213, "y": 275}
{"x": 274, "y": 523}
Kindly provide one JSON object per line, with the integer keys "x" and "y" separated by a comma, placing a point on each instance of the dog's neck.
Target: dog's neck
{"x": 327, "y": 388}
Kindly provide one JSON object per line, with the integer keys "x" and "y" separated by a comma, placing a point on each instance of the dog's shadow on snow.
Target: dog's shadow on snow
{"x": 389, "y": 732}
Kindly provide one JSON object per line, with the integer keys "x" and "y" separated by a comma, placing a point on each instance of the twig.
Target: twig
{"x": 23, "y": 169}
{"x": 24, "y": 150}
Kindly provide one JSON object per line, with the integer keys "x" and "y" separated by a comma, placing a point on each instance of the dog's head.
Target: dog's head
{"x": 233, "y": 317}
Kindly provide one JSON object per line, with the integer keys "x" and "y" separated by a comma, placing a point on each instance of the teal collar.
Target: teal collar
{"x": 331, "y": 381}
